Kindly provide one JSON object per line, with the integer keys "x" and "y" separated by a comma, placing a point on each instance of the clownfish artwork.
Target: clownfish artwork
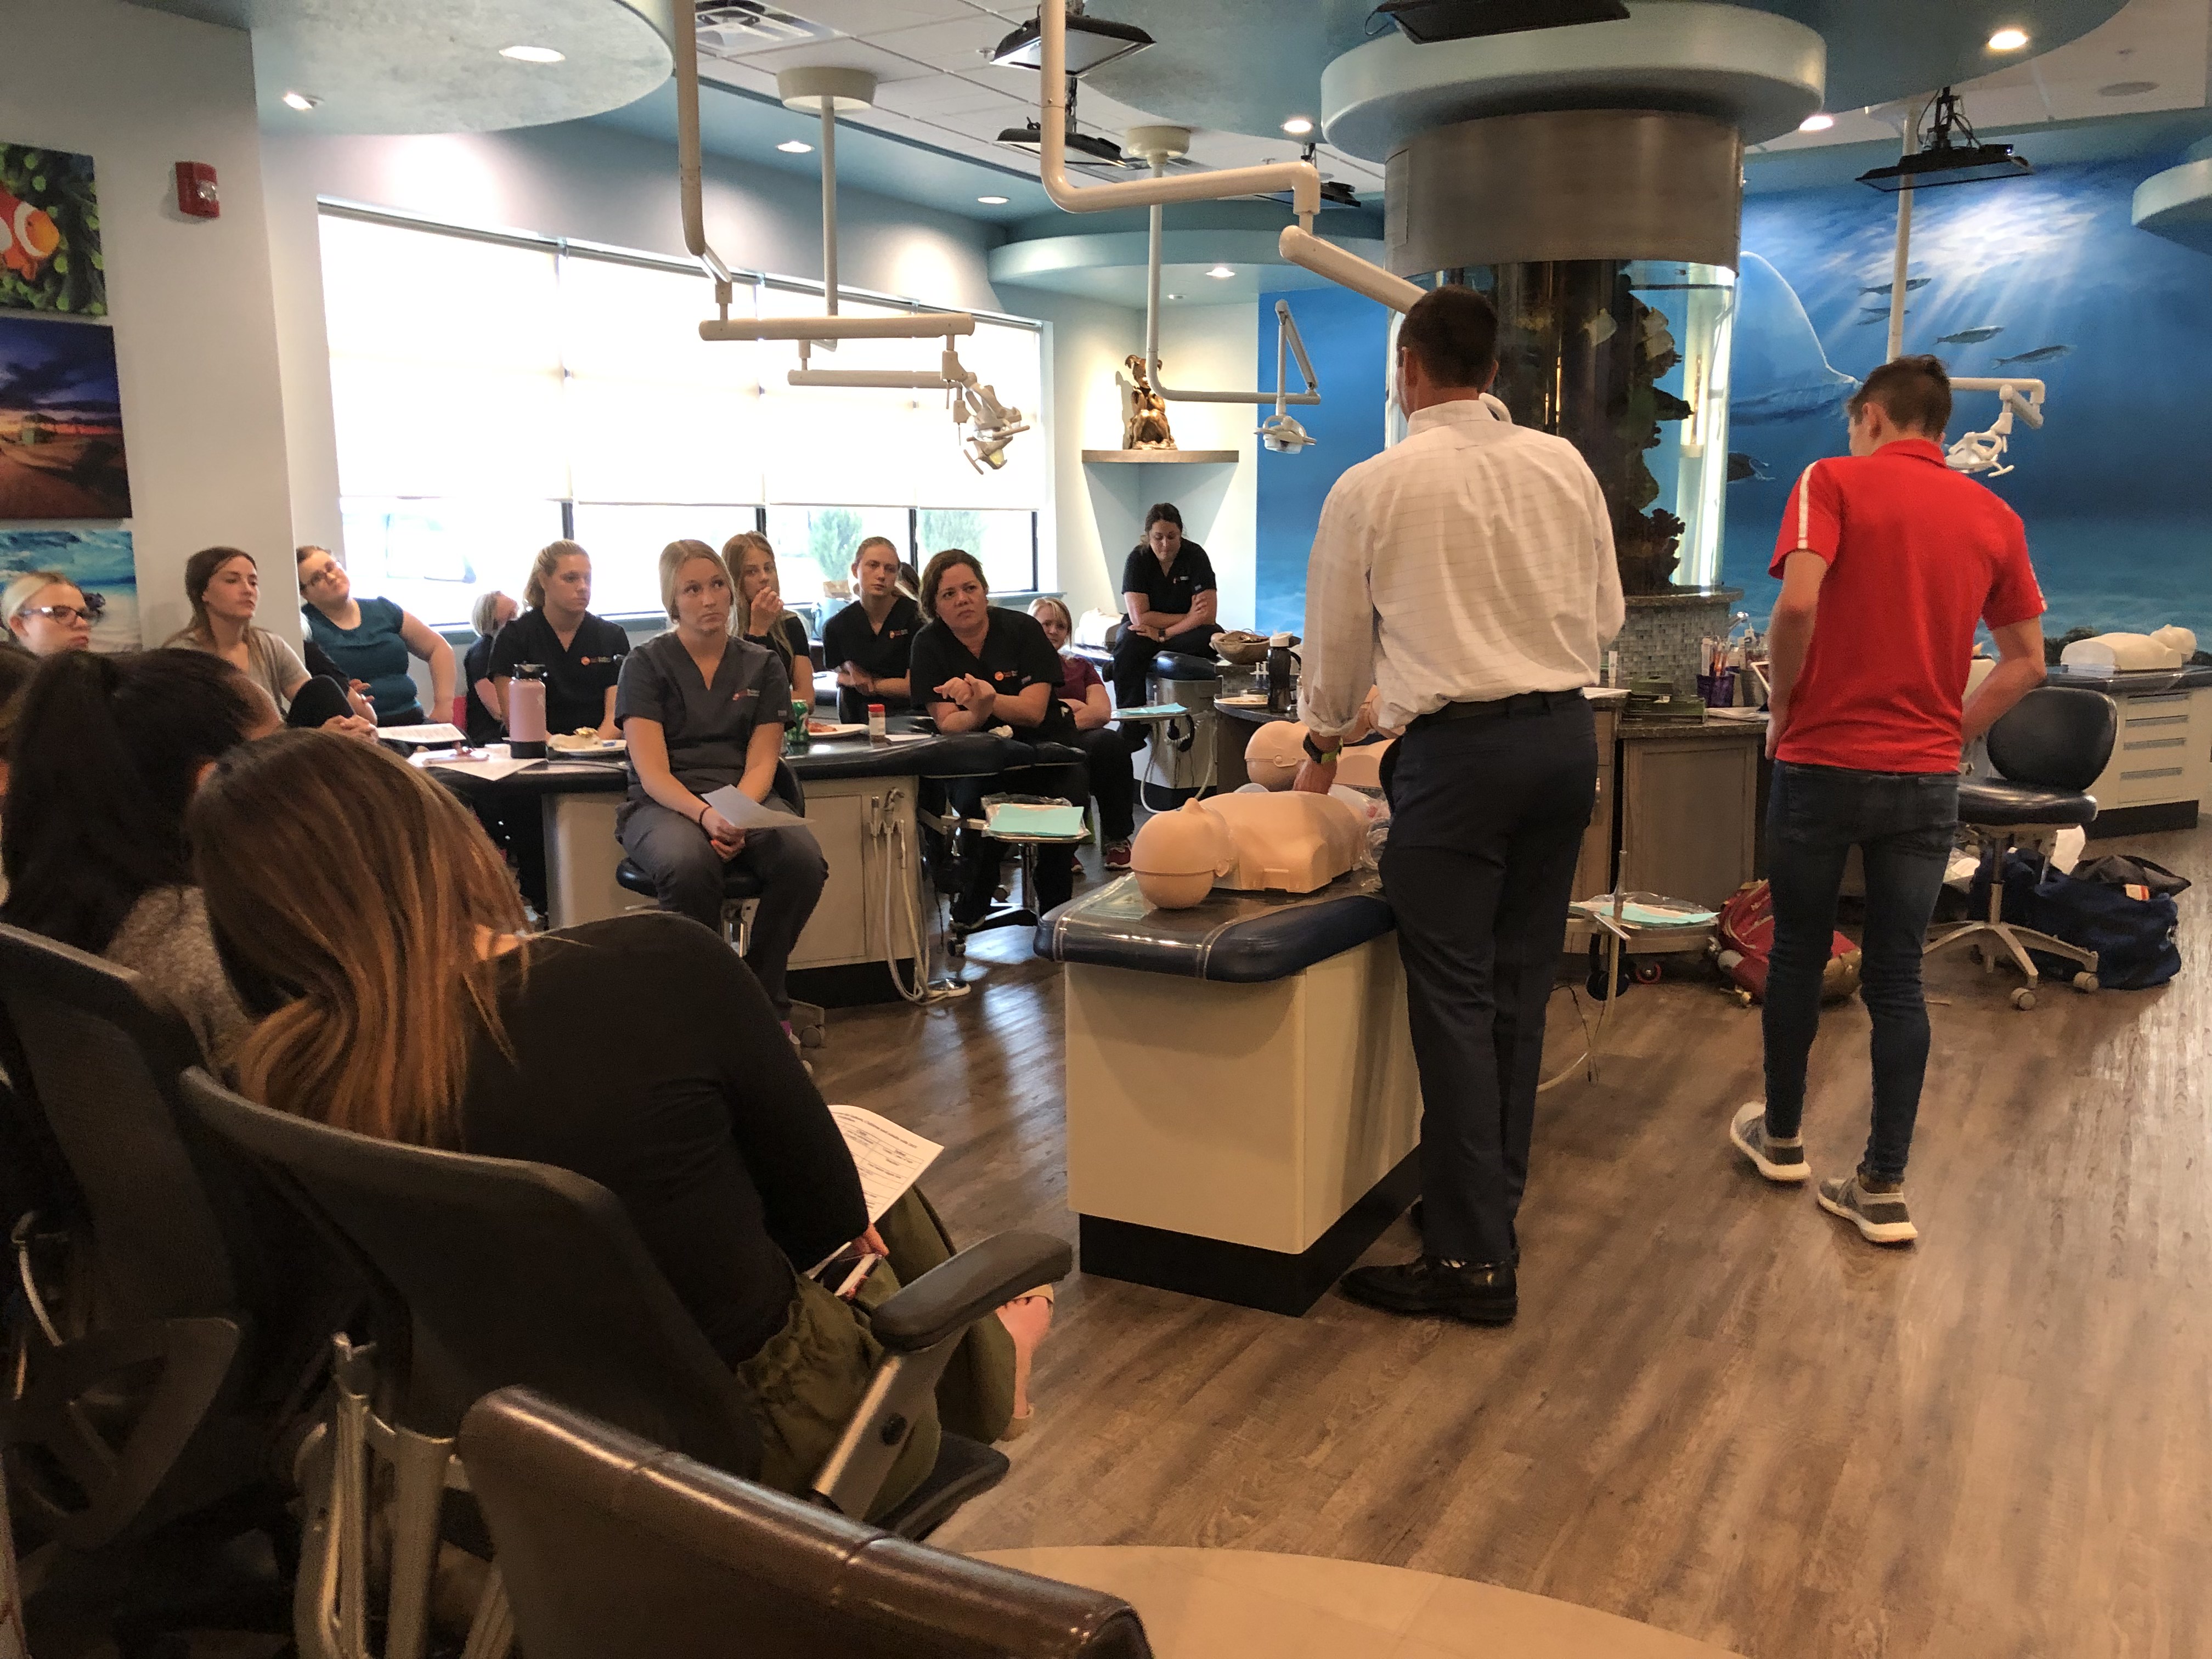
{"x": 28, "y": 236}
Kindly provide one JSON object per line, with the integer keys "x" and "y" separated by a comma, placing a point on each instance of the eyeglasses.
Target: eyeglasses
{"x": 64, "y": 613}
{"x": 322, "y": 575}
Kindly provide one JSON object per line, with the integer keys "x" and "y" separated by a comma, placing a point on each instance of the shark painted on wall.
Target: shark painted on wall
{"x": 1780, "y": 370}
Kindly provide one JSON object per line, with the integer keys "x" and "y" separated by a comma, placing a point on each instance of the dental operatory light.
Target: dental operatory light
{"x": 533, "y": 54}
{"x": 1283, "y": 435}
{"x": 1982, "y": 454}
{"x": 1951, "y": 154}
{"x": 1816, "y": 123}
{"x": 1090, "y": 41}
{"x": 2007, "y": 39}
{"x": 1425, "y": 21}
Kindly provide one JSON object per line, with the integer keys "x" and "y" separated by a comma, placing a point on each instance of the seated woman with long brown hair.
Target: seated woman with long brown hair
{"x": 336, "y": 877}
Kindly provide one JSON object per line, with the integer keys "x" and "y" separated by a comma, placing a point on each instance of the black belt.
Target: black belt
{"x": 1521, "y": 705}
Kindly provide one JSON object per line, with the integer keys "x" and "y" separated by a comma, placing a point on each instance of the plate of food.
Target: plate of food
{"x": 836, "y": 728}
{"x": 585, "y": 741}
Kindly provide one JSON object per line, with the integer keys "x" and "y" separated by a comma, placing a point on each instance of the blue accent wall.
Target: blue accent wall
{"x": 2116, "y": 490}
{"x": 1344, "y": 335}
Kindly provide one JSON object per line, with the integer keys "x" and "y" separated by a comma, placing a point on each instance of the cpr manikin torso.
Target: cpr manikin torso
{"x": 2168, "y": 648}
{"x": 1286, "y": 842}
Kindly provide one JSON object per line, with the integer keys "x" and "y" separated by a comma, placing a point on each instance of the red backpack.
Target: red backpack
{"x": 1746, "y": 941}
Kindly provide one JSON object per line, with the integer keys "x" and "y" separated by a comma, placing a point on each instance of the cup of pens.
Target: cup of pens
{"x": 1717, "y": 688}
{"x": 1718, "y": 663}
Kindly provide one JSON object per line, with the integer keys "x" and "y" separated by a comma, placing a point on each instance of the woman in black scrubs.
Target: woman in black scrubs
{"x": 702, "y": 710}
{"x": 869, "y": 642}
{"x": 975, "y": 666}
{"x": 581, "y": 654}
{"x": 758, "y": 614}
{"x": 1169, "y": 591}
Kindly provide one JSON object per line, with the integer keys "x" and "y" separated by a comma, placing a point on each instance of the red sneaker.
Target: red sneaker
{"x": 1117, "y": 855}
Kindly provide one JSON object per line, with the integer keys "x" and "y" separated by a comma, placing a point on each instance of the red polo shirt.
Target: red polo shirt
{"x": 1916, "y": 554}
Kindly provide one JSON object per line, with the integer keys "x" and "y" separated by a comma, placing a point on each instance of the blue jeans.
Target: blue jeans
{"x": 1904, "y": 824}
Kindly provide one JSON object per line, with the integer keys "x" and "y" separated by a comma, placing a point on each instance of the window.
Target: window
{"x": 487, "y": 392}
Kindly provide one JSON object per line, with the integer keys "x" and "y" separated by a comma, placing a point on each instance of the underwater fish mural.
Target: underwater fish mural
{"x": 1970, "y": 336}
{"x": 2040, "y": 354}
{"x": 1910, "y": 284}
{"x": 1741, "y": 466}
{"x": 1780, "y": 370}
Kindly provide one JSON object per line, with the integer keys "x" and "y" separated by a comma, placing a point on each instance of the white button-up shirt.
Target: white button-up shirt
{"x": 1470, "y": 561}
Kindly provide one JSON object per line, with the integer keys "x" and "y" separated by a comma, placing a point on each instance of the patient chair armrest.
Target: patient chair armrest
{"x": 955, "y": 1294}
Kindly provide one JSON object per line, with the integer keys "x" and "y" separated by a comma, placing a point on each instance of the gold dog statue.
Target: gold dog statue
{"x": 1147, "y": 427}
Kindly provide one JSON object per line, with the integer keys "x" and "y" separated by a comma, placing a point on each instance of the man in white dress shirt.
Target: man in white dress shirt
{"x": 1467, "y": 573}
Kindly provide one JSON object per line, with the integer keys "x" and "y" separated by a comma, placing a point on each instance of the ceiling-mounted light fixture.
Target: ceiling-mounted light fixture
{"x": 1299, "y": 125}
{"x": 1221, "y": 270}
{"x": 533, "y": 54}
{"x": 1425, "y": 21}
{"x": 1334, "y": 192}
{"x": 2007, "y": 39}
{"x": 993, "y": 201}
{"x": 796, "y": 147}
{"x": 1816, "y": 123}
{"x": 1945, "y": 160}
{"x": 1031, "y": 138}
{"x": 1090, "y": 41}
{"x": 301, "y": 103}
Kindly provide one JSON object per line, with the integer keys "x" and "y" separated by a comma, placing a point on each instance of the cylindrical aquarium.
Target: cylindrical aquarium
{"x": 1628, "y": 360}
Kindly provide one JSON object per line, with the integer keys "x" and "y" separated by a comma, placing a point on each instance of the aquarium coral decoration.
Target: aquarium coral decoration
{"x": 50, "y": 250}
{"x": 1581, "y": 355}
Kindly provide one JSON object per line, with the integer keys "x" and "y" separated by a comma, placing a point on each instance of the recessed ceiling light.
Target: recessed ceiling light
{"x": 1221, "y": 270}
{"x": 796, "y": 147}
{"x": 1816, "y": 123}
{"x": 2007, "y": 39}
{"x": 1299, "y": 125}
{"x": 1174, "y": 296}
{"x": 301, "y": 101}
{"x": 993, "y": 201}
{"x": 2127, "y": 89}
{"x": 533, "y": 54}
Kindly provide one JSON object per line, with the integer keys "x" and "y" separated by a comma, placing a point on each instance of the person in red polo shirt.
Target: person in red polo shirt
{"x": 1887, "y": 560}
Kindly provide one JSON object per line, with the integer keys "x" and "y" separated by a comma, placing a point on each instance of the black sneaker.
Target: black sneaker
{"x": 1879, "y": 1214}
{"x": 1777, "y": 1160}
{"x": 1480, "y": 1293}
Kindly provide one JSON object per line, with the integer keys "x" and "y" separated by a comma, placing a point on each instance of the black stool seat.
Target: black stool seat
{"x": 738, "y": 882}
{"x": 1983, "y": 800}
{"x": 1180, "y": 666}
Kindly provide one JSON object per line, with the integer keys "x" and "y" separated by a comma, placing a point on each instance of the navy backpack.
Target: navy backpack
{"x": 2123, "y": 908}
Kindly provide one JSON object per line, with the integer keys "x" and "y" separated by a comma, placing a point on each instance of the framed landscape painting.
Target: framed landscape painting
{"x": 61, "y": 420}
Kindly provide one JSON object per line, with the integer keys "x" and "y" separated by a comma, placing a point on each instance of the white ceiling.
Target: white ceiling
{"x": 939, "y": 85}
{"x": 2153, "y": 55}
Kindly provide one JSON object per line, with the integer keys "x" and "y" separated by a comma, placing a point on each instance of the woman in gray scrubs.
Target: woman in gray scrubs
{"x": 701, "y": 710}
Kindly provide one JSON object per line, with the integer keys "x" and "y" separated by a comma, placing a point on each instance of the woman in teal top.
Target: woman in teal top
{"x": 371, "y": 640}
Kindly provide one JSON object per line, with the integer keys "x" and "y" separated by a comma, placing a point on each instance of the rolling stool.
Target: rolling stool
{"x": 1179, "y": 762}
{"x": 2046, "y": 752}
{"x": 741, "y": 894}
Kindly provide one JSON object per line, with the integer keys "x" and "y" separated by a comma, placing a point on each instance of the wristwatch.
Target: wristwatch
{"x": 1321, "y": 756}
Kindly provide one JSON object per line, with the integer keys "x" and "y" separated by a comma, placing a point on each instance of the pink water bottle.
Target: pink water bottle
{"x": 525, "y": 713}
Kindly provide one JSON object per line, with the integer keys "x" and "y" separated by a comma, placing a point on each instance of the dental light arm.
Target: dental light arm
{"x": 685, "y": 51}
{"x": 1280, "y": 432}
{"x": 1301, "y": 179}
{"x": 972, "y": 402}
{"x": 1984, "y": 451}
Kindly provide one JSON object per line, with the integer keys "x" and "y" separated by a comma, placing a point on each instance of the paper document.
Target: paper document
{"x": 491, "y": 770}
{"x": 441, "y": 734}
{"x": 1024, "y": 821}
{"x": 890, "y": 1159}
{"x": 747, "y": 813}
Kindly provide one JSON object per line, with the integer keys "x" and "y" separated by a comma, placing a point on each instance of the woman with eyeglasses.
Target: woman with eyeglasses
{"x": 371, "y": 640}
{"x": 46, "y": 613}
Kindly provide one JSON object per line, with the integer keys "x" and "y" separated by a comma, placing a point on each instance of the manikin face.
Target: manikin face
{"x": 963, "y": 601}
{"x": 1166, "y": 539}
{"x": 877, "y": 570}
{"x": 1055, "y": 627}
{"x": 703, "y": 598}
{"x": 57, "y": 619}
{"x": 233, "y": 591}
{"x": 569, "y": 589}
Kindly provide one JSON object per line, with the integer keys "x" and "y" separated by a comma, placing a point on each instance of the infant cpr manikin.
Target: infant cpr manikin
{"x": 1286, "y": 842}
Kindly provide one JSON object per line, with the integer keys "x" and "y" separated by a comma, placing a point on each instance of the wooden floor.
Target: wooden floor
{"x": 1720, "y": 1412}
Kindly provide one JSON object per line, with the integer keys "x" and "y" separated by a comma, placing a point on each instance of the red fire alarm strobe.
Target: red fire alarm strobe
{"x": 196, "y": 191}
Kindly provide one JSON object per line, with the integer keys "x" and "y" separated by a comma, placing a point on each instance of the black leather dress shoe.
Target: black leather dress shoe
{"x": 1480, "y": 1293}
